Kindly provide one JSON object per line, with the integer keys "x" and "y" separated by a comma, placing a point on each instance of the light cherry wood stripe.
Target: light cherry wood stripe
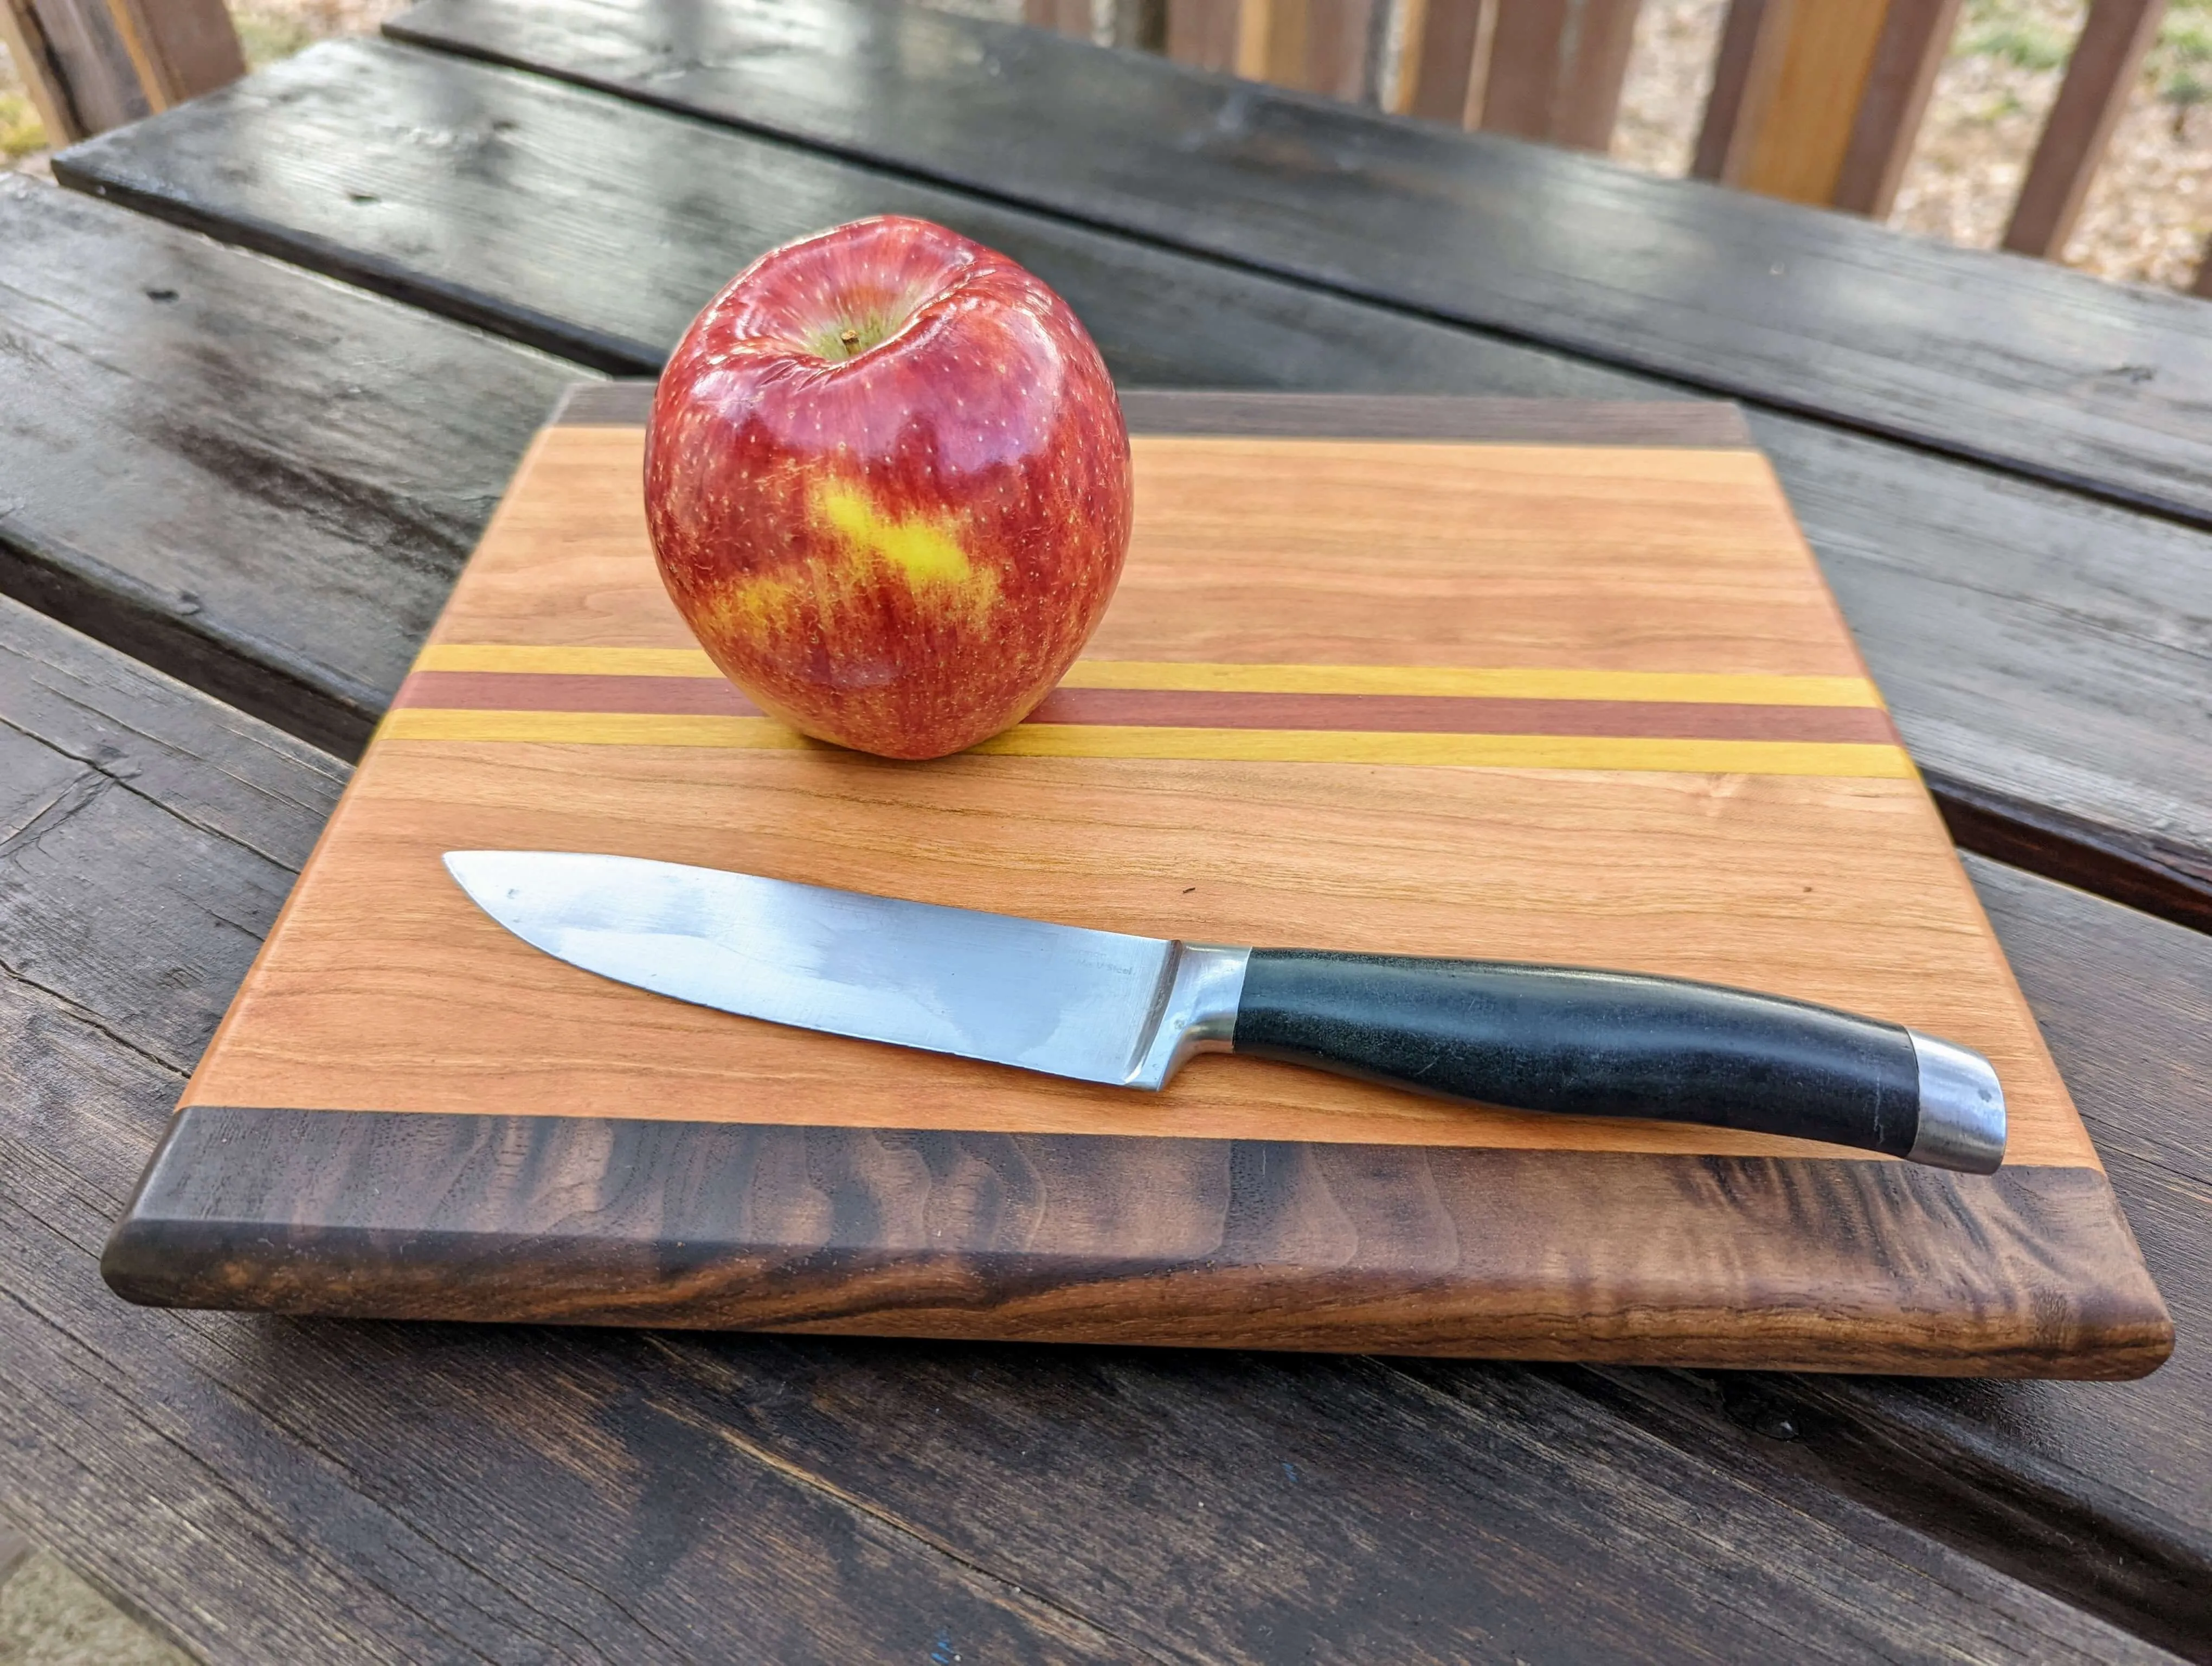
{"x": 1759, "y": 757}
{"x": 1531, "y": 683}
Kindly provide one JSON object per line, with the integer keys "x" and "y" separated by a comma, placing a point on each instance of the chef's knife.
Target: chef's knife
{"x": 1101, "y": 1007}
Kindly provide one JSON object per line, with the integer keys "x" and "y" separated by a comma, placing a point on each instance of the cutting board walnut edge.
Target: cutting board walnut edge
{"x": 1128, "y": 1011}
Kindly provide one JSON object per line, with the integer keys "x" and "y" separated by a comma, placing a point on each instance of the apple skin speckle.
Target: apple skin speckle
{"x": 888, "y": 485}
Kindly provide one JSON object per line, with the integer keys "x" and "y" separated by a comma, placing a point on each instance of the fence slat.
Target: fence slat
{"x": 1203, "y": 33}
{"x": 2099, "y": 78}
{"x": 1338, "y": 40}
{"x": 1744, "y": 69}
{"x": 1064, "y": 17}
{"x": 1589, "y": 98}
{"x": 27, "y": 48}
{"x": 1818, "y": 101}
{"x": 1915, "y": 38}
{"x": 180, "y": 48}
{"x": 75, "y": 62}
{"x": 1523, "y": 72}
{"x": 1443, "y": 74}
{"x": 1796, "y": 151}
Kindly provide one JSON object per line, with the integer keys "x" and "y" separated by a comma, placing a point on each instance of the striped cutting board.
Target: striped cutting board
{"x": 1515, "y": 679}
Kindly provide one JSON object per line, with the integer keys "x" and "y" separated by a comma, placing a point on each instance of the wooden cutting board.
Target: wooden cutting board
{"x": 1512, "y": 679}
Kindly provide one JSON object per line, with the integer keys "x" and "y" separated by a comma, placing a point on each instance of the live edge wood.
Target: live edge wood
{"x": 1787, "y": 1264}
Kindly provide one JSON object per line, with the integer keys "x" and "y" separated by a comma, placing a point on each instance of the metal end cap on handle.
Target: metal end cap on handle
{"x": 1962, "y": 1109}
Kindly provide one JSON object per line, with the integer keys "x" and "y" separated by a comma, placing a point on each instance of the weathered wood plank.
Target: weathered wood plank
{"x": 256, "y": 479}
{"x": 2042, "y": 652}
{"x": 285, "y": 1491}
{"x": 2046, "y": 372}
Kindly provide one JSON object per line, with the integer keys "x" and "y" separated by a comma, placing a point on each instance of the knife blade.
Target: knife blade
{"x": 1107, "y": 1007}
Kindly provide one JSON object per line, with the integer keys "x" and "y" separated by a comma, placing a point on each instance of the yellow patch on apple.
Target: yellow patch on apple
{"x": 920, "y": 551}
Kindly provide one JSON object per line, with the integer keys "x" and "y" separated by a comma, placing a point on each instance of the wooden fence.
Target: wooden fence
{"x": 1815, "y": 101}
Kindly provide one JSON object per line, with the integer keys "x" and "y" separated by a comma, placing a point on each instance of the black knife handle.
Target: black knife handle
{"x": 1593, "y": 1043}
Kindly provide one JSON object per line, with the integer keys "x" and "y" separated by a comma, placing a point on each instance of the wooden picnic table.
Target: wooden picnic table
{"x": 258, "y": 403}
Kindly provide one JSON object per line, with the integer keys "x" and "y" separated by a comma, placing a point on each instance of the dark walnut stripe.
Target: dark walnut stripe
{"x": 1152, "y": 708}
{"x": 1106, "y": 1239}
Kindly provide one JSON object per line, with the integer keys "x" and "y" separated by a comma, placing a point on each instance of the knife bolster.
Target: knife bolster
{"x": 1193, "y": 1011}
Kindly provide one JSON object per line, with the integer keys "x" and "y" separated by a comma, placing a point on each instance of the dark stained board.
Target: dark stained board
{"x": 255, "y": 479}
{"x": 2042, "y": 652}
{"x": 272, "y": 1490}
{"x": 2019, "y": 362}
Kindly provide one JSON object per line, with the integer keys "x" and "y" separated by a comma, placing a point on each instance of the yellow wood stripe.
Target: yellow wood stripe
{"x": 567, "y": 661}
{"x": 1535, "y": 683}
{"x": 1694, "y": 688}
{"x": 1756, "y": 757}
{"x": 591, "y": 728}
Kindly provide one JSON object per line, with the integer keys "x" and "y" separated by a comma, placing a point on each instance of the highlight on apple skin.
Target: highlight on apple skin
{"x": 887, "y": 482}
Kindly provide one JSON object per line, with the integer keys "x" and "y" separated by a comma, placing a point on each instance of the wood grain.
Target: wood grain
{"x": 2026, "y": 366}
{"x": 883, "y": 1191}
{"x": 1266, "y": 551}
{"x": 254, "y": 478}
{"x": 2036, "y": 646}
{"x": 1498, "y": 1254}
{"x": 273, "y": 1491}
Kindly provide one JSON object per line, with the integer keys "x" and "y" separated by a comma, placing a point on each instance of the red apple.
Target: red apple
{"x": 888, "y": 484}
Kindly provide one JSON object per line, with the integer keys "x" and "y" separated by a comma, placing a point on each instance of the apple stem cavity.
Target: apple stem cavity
{"x": 849, "y": 341}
